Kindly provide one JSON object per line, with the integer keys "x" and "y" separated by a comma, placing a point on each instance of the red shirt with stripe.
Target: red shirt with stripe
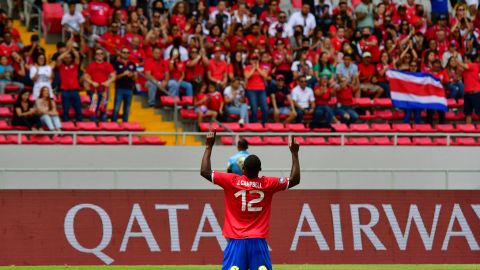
{"x": 247, "y": 203}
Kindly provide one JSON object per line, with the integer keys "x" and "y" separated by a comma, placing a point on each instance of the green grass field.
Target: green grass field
{"x": 276, "y": 267}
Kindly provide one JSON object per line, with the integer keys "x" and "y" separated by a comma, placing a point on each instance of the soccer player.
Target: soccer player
{"x": 248, "y": 201}
{"x": 235, "y": 162}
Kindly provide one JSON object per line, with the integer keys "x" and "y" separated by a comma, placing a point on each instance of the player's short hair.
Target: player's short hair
{"x": 242, "y": 144}
{"x": 252, "y": 164}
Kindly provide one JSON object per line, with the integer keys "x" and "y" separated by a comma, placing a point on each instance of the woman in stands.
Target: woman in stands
{"x": 255, "y": 77}
{"x": 24, "y": 113}
{"x": 179, "y": 15}
{"x": 46, "y": 109}
{"x": 201, "y": 101}
{"x": 177, "y": 69}
{"x": 235, "y": 68}
{"x": 455, "y": 83}
{"x": 325, "y": 67}
{"x": 42, "y": 75}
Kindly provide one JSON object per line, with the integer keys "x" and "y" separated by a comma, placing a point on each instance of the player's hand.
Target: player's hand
{"x": 293, "y": 145}
{"x": 210, "y": 141}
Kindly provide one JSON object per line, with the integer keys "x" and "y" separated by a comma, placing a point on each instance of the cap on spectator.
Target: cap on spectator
{"x": 280, "y": 77}
{"x": 217, "y": 49}
{"x": 366, "y": 54}
{"x": 442, "y": 17}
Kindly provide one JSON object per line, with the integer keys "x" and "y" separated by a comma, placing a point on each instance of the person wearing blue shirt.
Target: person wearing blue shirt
{"x": 235, "y": 162}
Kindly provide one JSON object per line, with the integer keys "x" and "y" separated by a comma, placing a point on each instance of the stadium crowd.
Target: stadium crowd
{"x": 234, "y": 57}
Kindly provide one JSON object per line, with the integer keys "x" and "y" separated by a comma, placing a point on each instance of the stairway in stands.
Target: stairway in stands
{"x": 147, "y": 117}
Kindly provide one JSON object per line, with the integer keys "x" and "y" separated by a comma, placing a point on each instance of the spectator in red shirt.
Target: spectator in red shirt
{"x": 13, "y": 32}
{"x": 215, "y": 100}
{"x": 201, "y": 101}
{"x": 112, "y": 41}
{"x": 323, "y": 95}
{"x": 137, "y": 54}
{"x": 68, "y": 64}
{"x": 344, "y": 93}
{"x": 382, "y": 68}
{"x": 156, "y": 71}
{"x": 218, "y": 69}
{"x": 135, "y": 32}
{"x": 471, "y": 69}
{"x": 99, "y": 75}
{"x": 255, "y": 77}
{"x": 235, "y": 68}
{"x": 179, "y": 15}
{"x": 177, "y": 69}
{"x": 196, "y": 66}
{"x": 97, "y": 18}
{"x": 367, "y": 78}
{"x": 8, "y": 45}
{"x": 454, "y": 77}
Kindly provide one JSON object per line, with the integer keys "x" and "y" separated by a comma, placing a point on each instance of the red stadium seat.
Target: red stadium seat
{"x": 109, "y": 126}
{"x": 89, "y": 139}
{"x": 322, "y": 130}
{"x": 88, "y": 126}
{"x": 440, "y": 141}
{"x": 12, "y": 88}
{"x": 188, "y": 114}
{"x": 296, "y": 127}
{"x": 423, "y": 128}
{"x": 398, "y": 115}
{"x": 169, "y": 100}
{"x": 235, "y": 127}
{"x": 5, "y": 112}
{"x": 452, "y": 103}
{"x": 334, "y": 140}
{"x": 275, "y": 127}
{"x": 367, "y": 116}
{"x": 381, "y": 141}
{"x": 384, "y": 115}
{"x": 227, "y": 140}
{"x": 340, "y": 127}
{"x": 187, "y": 101}
{"x": 4, "y": 125}
{"x": 358, "y": 141}
{"x": 124, "y": 140}
{"x": 13, "y": 139}
{"x": 402, "y": 127}
{"x": 52, "y": 17}
{"x": 275, "y": 140}
{"x": 360, "y": 128}
{"x": 41, "y": 139}
{"x": 382, "y": 102}
{"x": 300, "y": 140}
{"x": 453, "y": 116}
{"x": 132, "y": 126}
{"x": 427, "y": 141}
{"x": 107, "y": 140}
{"x": 255, "y": 140}
{"x": 3, "y": 140}
{"x": 207, "y": 126}
{"x": 63, "y": 140}
{"x": 315, "y": 141}
{"x": 6, "y": 99}
{"x": 153, "y": 141}
{"x": 363, "y": 102}
{"x": 69, "y": 126}
{"x": 447, "y": 128}
{"x": 469, "y": 128}
{"x": 255, "y": 127}
{"x": 84, "y": 99}
{"x": 404, "y": 141}
{"x": 384, "y": 127}
{"x": 465, "y": 141}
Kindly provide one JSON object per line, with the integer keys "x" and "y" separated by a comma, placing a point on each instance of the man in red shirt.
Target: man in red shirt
{"x": 97, "y": 18}
{"x": 8, "y": 46}
{"x": 344, "y": 93}
{"x": 156, "y": 71}
{"x": 471, "y": 80}
{"x": 368, "y": 80}
{"x": 112, "y": 41}
{"x": 248, "y": 200}
{"x": 99, "y": 75}
{"x": 68, "y": 64}
{"x": 218, "y": 69}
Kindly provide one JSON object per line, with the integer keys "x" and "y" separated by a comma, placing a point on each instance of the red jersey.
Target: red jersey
{"x": 215, "y": 101}
{"x": 99, "y": 72}
{"x": 247, "y": 203}
{"x": 158, "y": 68}
{"x": 7, "y": 50}
{"x": 179, "y": 20}
{"x": 69, "y": 77}
{"x": 217, "y": 69}
{"x": 366, "y": 71}
{"x": 178, "y": 70}
{"x": 111, "y": 42}
{"x": 345, "y": 96}
{"x": 195, "y": 72}
{"x": 470, "y": 78}
{"x": 256, "y": 81}
{"x": 98, "y": 13}
{"x": 323, "y": 99}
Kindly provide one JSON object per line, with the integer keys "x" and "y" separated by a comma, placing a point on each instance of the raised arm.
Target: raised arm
{"x": 206, "y": 167}
{"x": 295, "y": 172}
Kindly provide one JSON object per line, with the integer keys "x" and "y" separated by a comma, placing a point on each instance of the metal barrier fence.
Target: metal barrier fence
{"x": 236, "y": 136}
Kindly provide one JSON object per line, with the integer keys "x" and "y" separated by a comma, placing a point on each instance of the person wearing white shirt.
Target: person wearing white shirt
{"x": 221, "y": 16}
{"x": 303, "y": 99}
{"x": 281, "y": 25}
{"x": 73, "y": 20}
{"x": 305, "y": 19}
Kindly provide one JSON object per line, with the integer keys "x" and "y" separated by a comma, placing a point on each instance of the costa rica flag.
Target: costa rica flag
{"x": 416, "y": 90}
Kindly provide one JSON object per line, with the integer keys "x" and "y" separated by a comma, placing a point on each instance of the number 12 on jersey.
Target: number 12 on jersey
{"x": 248, "y": 206}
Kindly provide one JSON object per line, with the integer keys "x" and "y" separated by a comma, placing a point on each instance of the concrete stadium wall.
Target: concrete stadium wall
{"x": 151, "y": 167}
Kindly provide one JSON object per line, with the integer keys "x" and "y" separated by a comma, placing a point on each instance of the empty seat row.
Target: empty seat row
{"x": 402, "y": 141}
{"x": 86, "y": 126}
{"x": 88, "y": 139}
{"x": 402, "y": 127}
{"x": 255, "y": 127}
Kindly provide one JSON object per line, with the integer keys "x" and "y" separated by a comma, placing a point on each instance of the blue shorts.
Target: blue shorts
{"x": 244, "y": 254}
